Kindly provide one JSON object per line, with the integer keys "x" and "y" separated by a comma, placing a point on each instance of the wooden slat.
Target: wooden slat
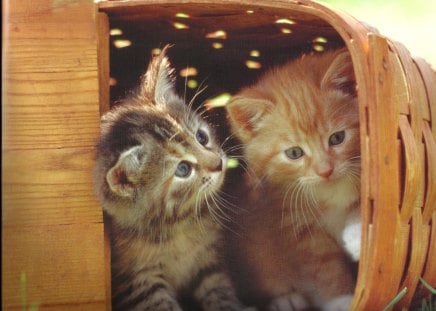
{"x": 59, "y": 263}
{"x": 42, "y": 19}
{"x": 413, "y": 181}
{"x": 51, "y": 110}
{"x": 430, "y": 200}
{"x": 401, "y": 94}
{"x": 416, "y": 89}
{"x": 429, "y": 77}
{"x": 103, "y": 61}
{"x": 421, "y": 94}
{"x": 54, "y": 188}
{"x": 418, "y": 255}
{"x": 389, "y": 238}
{"x": 52, "y": 226}
{"x": 429, "y": 274}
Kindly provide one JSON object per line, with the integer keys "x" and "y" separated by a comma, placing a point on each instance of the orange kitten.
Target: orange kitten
{"x": 300, "y": 129}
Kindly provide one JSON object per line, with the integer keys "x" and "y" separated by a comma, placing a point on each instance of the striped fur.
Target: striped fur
{"x": 292, "y": 242}
{"x": 158, "y": 175}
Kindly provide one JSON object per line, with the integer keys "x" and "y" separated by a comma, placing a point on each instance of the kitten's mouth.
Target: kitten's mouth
{"x": 329, "y": 180}
{"x": 215, "y": 179}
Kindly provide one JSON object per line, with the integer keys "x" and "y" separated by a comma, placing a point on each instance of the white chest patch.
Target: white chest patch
{"x": 337, "y": 199}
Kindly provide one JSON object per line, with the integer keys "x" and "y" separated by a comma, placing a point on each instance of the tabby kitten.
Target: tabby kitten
{"x": 158, "y": 174}
{"x": 300, "y": 129}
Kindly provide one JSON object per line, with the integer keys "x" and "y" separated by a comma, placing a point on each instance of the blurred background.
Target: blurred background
{"x": 412, "y": 22}
{"x": 227, "y": 49}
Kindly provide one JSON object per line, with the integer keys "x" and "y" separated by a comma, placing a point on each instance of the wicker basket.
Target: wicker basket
{"x": 397, "y": 100}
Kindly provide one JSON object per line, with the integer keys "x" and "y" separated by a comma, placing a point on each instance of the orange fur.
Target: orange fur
{"x": 290, "y": 239}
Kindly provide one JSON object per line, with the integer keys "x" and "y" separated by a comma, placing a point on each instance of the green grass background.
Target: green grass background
{"x": 412, "y": 22}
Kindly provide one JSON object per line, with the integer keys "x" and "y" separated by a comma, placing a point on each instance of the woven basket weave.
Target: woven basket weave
{"x": 397, "y": 100}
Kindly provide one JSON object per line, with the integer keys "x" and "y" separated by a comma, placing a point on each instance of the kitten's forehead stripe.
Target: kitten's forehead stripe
{"x": 161, "y": 128}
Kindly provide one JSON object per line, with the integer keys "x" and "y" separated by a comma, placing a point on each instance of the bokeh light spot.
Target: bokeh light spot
{"x": 188, "y": 72}
{"x": 219, "y": 34}
{"x": 122, "y": 43}
{"x": 253, "y": 64}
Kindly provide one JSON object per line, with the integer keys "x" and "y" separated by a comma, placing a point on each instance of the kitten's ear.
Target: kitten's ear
{"x": 157, "y": 84}
{"x": 244, "y": 113}
{"x": 340, "y": 75}
{"x": 125, "y": 175}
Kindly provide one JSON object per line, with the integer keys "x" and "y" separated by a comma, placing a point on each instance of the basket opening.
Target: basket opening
{"x": 223, "y": 47}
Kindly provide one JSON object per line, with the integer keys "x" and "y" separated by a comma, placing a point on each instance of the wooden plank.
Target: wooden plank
{"x": 51, "y": 186}
{"x": 90, "y": 306}
{"x": 51, "y": 110}
{"x": 42, "y": 19}
{"x": 62, "y": 263}
{"x": 103, "y": 61}
{"x": 66, "y": 55}
{"x": 52, "y": 226}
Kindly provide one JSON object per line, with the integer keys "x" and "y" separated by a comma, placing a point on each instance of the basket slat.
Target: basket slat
{"x": 389, "y": 239}
{"x": 430, "y": 201}
{"x": 429, "y": 77}
{"x": 429, "y": 274}
{"x": 419, "y": 246}
{"x": 401, "y": 94}
{"x": 413, "y": 186}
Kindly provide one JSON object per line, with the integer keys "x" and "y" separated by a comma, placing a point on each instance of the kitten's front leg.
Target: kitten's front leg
{"x": 215, "y": 291}
{"x": 291, "y": 302}
{"x": 146, "y": 295}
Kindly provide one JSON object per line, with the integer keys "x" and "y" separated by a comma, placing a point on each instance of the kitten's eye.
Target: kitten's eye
{"x": 294, "y": 153}
{"x": 336, "y": 138}
{"x": 183, "y": 170}
{"x": 202, "y": 137}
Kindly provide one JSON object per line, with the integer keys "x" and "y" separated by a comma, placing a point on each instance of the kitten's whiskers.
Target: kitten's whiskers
{"x": 198, "y": 213}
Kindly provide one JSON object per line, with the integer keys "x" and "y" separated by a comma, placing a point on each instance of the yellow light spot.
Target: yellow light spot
{"x": 232, "y": 163}
{"x": 254, "y": 53}
{"x": 253, "y": 64}
{"x": 192, "y": 84}
{"x": 217, "y": 101}
{"x": 188, "y": 72}
{"x": 156, "y": 52}
{"x": 182, "y": 15}
{"x": 113, "y": 81}
{"x": 286, "y": 31}
{"x": 219, "y": 34}
{"x": 217, "y": 45}
{"x": 115, "y": 32}
{"x": 285, "y": 21}
{"x": 249, "y": 11}
{"x": 121, "y": 43}
{"x": 320, "y": 40}
{"x": 318, "y": 48}
{"x": 178, "y": 25}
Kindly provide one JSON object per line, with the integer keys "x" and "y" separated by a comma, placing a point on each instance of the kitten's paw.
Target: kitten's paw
{"x": 291, "y": 302}
{"x": 351, "y": 236}
{"x": 340, "y": 303}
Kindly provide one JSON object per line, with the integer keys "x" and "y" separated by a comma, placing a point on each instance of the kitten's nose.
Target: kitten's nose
{"x": 326, "y": 173}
